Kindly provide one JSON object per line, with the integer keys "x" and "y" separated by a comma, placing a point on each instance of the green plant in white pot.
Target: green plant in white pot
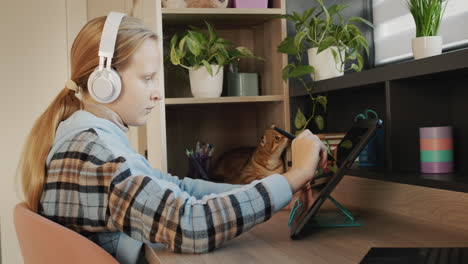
{"x": 330, "y": 40}
{"x": 325, "y": 36}
{"x": 427, "y": 15}
{"x": 205, "y": 55}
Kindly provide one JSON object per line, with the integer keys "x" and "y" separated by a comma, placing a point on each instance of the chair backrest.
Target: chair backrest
{"x": 44, "y": 241}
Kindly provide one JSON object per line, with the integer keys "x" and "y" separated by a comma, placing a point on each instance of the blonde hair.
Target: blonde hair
{"x": 84, "y": 59}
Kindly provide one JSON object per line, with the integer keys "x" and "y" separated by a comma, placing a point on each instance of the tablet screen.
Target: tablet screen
{"x": 348, "y": 149}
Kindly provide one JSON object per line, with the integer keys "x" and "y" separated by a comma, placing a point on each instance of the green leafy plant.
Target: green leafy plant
{"x": 323, "y": 28}
{"x": 427, "y": 15}
{"x": 197, "y": 49}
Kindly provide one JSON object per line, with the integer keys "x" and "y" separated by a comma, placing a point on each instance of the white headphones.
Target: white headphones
{"x": 104, "y": 84}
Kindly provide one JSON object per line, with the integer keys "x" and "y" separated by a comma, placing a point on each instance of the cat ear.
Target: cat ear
{"x": 263, "y": 142}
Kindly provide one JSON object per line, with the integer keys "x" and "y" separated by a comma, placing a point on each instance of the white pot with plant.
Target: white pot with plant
{"x": 330, "y": 45}
{"x": 330, "y": 41}
{"x": 427, "y": 15}
{"x": 324, "y": 63}
{"x": 205, "y": 55}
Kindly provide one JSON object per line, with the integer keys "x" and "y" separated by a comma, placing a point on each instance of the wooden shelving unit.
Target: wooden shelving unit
{"x": 226, "y": 122}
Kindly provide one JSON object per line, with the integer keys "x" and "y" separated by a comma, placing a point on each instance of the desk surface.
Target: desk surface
{"x": 270, "y": 243}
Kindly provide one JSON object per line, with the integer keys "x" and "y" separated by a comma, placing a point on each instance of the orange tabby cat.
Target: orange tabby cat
{"x": 244, "y": 165}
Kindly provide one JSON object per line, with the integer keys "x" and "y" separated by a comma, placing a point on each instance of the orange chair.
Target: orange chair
{"x": 44, "y": 241}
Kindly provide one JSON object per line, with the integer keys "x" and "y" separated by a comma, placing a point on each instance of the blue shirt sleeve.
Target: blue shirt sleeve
{"x": 194, "y": 187}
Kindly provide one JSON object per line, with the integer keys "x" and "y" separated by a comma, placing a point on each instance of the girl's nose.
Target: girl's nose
{"x": 156, "y": 95}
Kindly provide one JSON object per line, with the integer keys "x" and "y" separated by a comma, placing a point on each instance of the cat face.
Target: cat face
{"x": 273, "y": 142}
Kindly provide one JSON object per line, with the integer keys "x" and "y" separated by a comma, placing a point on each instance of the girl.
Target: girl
{"x": 79, "y": 170}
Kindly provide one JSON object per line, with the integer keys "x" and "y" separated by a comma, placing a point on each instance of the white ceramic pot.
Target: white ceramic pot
{"x": 427, "y": 46}
{"x": 203, "y": 84}
{"x": 324, "y": 64}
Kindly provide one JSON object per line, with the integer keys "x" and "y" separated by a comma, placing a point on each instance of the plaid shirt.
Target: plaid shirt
{"x": 96, "y": 193}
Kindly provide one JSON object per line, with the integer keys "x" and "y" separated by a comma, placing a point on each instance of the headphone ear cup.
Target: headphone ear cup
{"x": 104, "y": 86}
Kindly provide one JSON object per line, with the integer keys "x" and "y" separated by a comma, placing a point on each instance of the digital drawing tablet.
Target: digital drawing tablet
{"x": 348, "y": 150}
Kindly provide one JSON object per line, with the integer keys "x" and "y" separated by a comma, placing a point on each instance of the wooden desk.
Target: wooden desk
{"x": 270, "y": 243}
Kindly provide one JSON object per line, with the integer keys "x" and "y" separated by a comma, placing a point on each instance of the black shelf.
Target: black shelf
{"x": 407, "y": 95}
{"x": 452, "y": 182}
{"x": 447, "y": 65}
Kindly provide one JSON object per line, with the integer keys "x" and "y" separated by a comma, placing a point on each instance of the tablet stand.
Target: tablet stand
{"x": 334, "y": 219}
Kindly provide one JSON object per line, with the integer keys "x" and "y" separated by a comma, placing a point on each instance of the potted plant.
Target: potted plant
{"x": 331, "y": 42}
{"x": 205, "y": 55}
{"x": 427, "y": 15}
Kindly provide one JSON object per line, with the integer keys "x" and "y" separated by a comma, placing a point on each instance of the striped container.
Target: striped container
{"x": 436, "y": 145}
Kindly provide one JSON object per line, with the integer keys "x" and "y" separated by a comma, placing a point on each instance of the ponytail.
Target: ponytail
{"x": 32, "y": 165}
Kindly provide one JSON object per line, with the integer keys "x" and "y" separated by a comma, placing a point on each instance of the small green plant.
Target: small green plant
{"x": 427, "y": 15}
{"x": 322, "y": 28}
{"x": 199, "y": 49}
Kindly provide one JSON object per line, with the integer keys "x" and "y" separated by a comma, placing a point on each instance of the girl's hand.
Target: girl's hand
{"x": 308, "y": 152}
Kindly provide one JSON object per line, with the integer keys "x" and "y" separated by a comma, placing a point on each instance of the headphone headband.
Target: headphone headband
{"x": 109, "y": 34}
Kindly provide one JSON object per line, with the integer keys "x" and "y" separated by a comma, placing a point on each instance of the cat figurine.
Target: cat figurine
{"x": 244, "y": 165}
{"x": 195, "y": 3}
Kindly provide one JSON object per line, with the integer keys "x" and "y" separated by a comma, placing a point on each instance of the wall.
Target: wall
{"x": 33, "y": 69}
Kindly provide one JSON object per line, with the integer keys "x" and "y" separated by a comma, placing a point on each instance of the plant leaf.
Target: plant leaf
{"x": 298, "y": 39}
{"x": 326, "y": 43}
{"x": 175, "y": 59}
{"x": 208, "y": 67}
{"x": 301, "y": 70}
{"x": 300, "y": 119}
{"x": 335, "y": 55}
{"x": 287, "y": 46}
{"x": 194, "y": 44}
{"x": 286, "y": 71}
{"x": 323, "y": 101}
{"x": 245, "y": 52}
{"x": 212, "y": 33}
{"x": 307, "y": 13}
{"x": 354, "y": 67}
{"x": 360, "y": 19}
{"x": 319, "y": 122}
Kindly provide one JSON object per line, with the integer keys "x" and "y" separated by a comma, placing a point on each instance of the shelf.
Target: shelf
{"x": 225, "y": 100}
{"x": 453, "y": 182}
{"x": 234, "y": 17}
{"x": 430, "y": 67}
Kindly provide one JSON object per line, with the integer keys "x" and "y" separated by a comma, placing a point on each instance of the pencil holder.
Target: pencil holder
{"x": 199, "y": 168}
{"x": 436, "y": 146}
{"x": 192, "y": 171}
